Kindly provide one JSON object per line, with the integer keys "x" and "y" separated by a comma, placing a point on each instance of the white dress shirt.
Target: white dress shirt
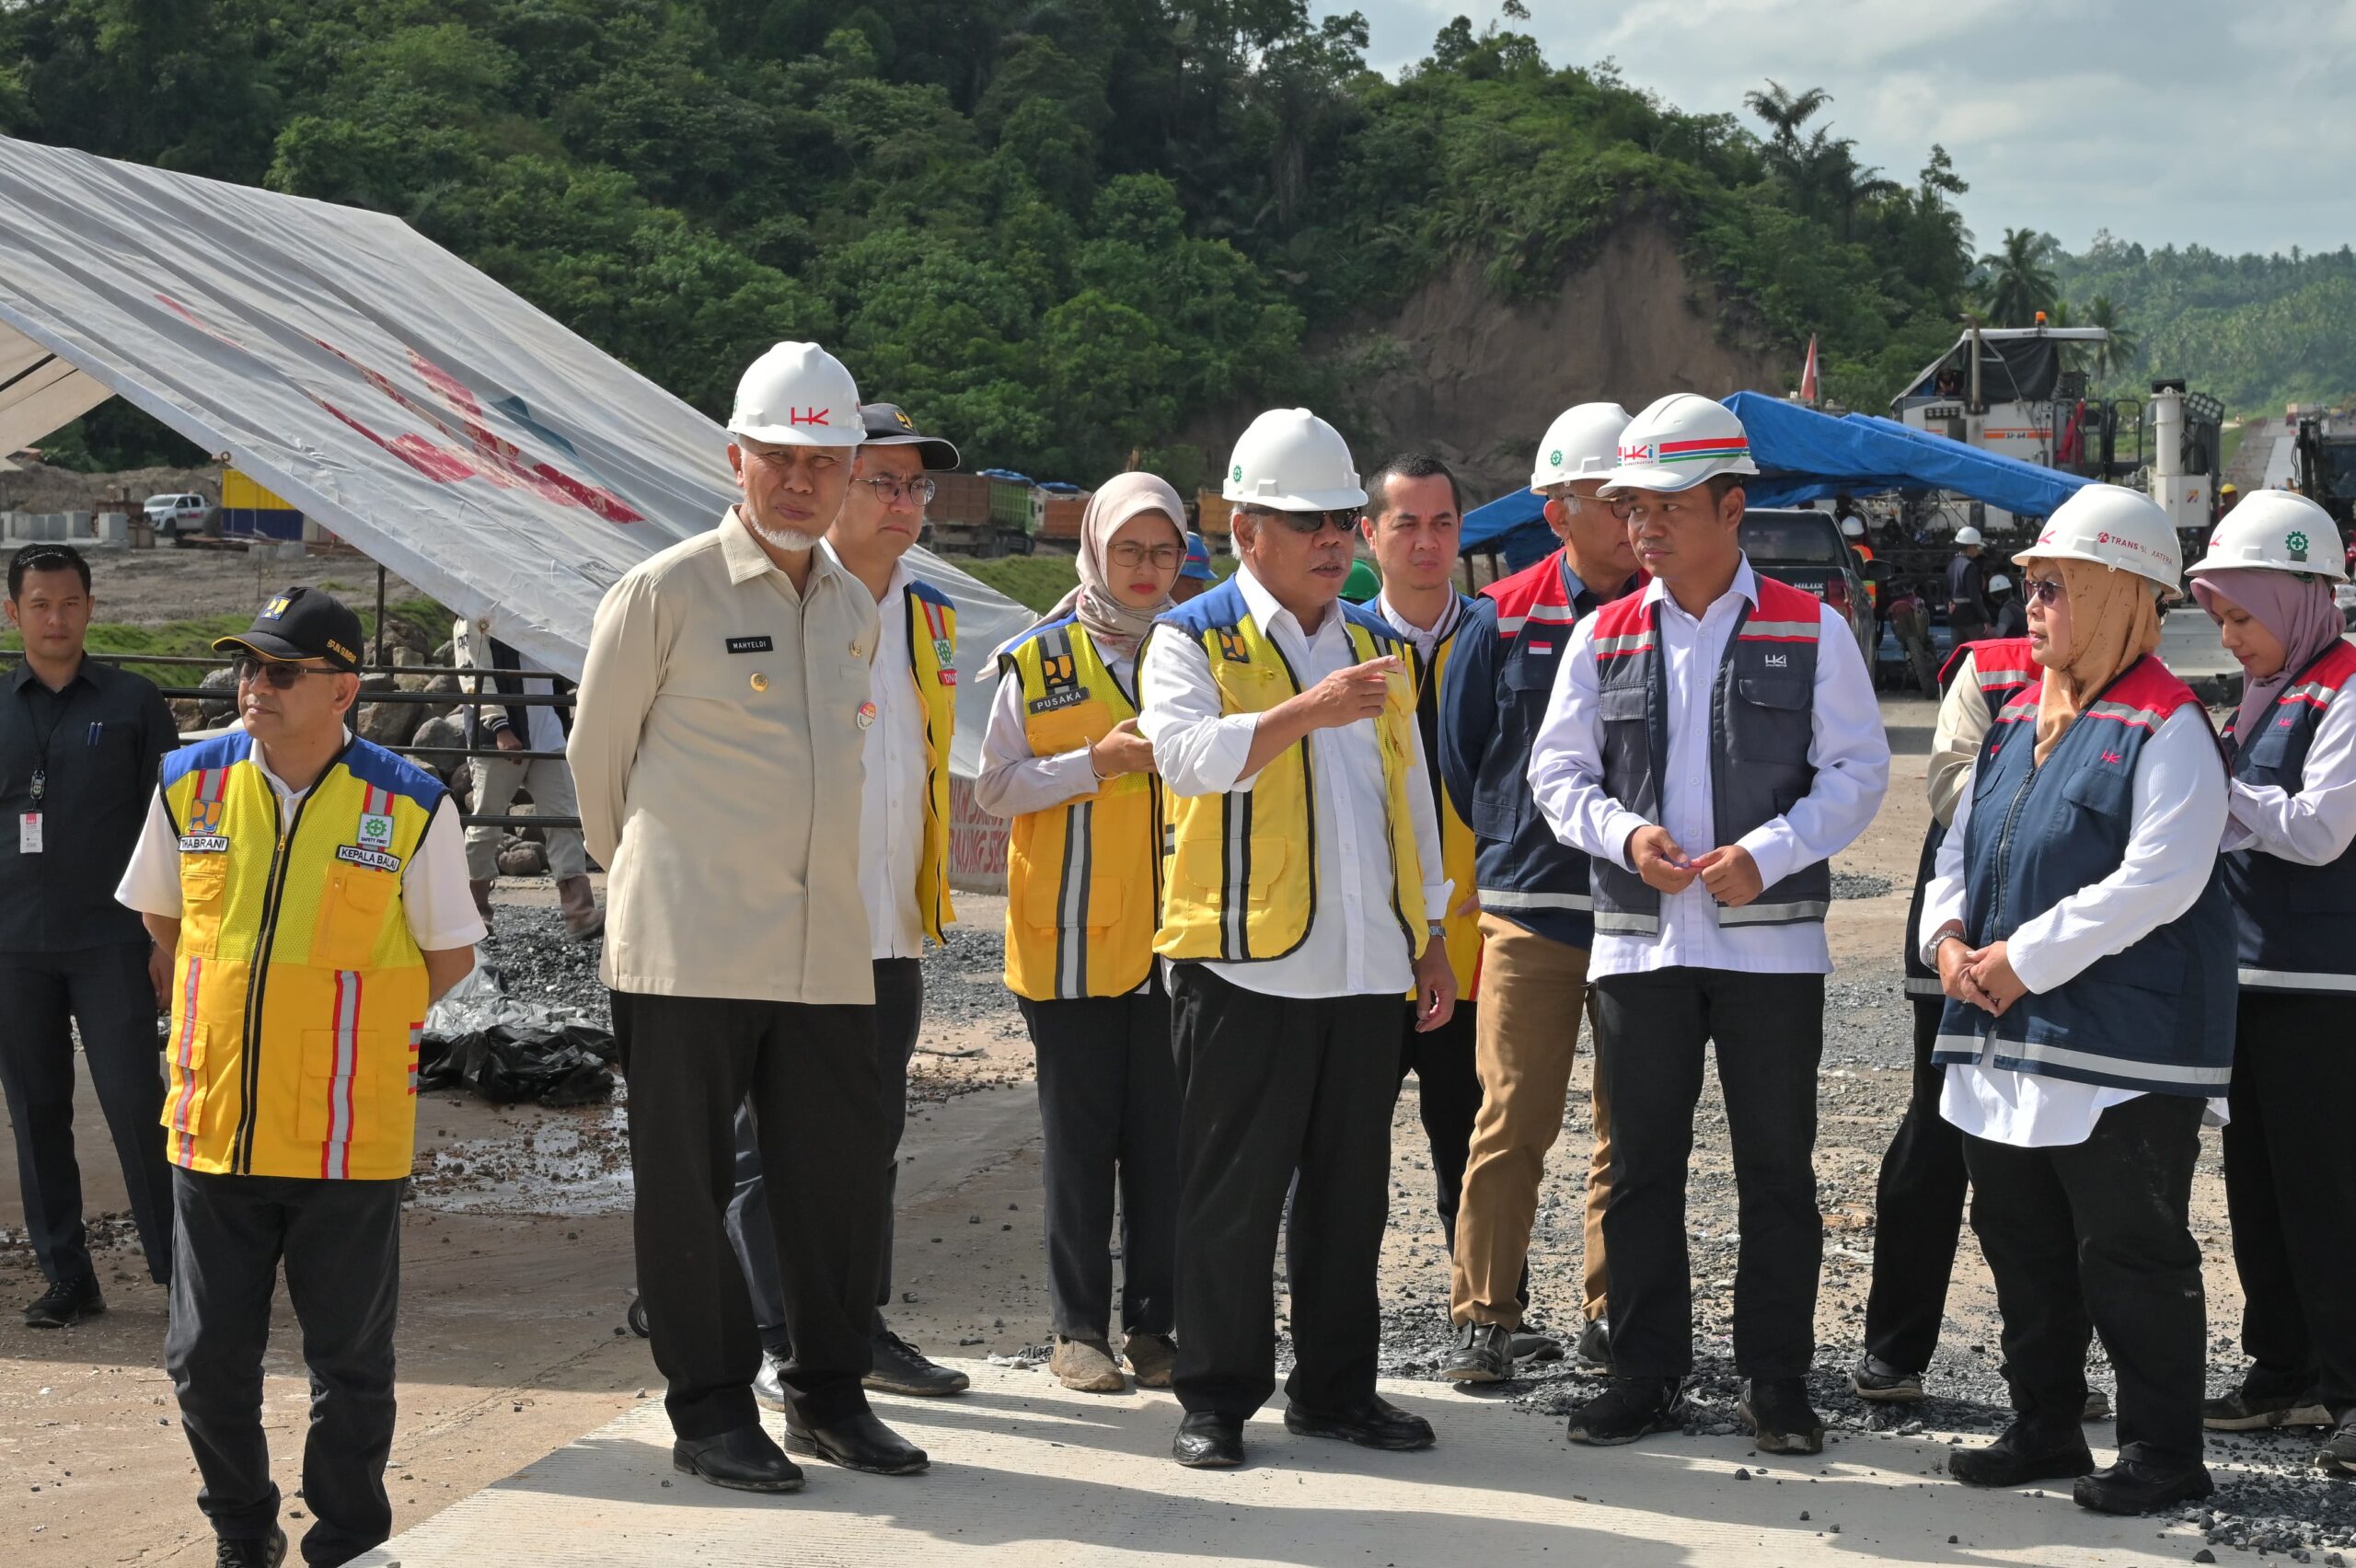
{"x": 1354, "y": 947}
{"x": 1016, "y": 782}
{"x": 1422, "y": 641}
{"x": 2179, "y": 812}
{"x": 1847, "y": 746}
{"x": 2315, "y": 826}
{"x": 435, "y": 901}
{"x": 891, "y": 818}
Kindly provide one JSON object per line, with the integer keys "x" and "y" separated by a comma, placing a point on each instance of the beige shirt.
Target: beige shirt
{"x": 717, "y": 751}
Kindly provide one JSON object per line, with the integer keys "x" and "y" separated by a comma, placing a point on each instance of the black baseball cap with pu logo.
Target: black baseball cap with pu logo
{"x": 302, "y": 623}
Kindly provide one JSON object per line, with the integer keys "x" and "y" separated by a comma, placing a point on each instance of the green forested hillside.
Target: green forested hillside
{"x": 1057, "y": 229}
{"x": 2258, "y": 332}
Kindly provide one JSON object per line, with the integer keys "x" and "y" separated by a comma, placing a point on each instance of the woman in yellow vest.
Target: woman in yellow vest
{"x": 1064, "y": 760}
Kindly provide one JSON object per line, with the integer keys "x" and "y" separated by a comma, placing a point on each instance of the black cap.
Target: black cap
{"x": 888, "y": 425}
{"x": 302, "y": 623}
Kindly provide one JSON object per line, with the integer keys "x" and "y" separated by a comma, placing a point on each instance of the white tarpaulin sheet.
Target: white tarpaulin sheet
{"x": 416, "y": 409}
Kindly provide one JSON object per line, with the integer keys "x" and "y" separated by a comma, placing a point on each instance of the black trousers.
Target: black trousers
{"x": 809, "y": 1073}
{"x": 1108, "y": 1115}
{"x": 2291, "y": 1191}
{"x": 1768, "y": 1030}
{"x": 2094, "y": 1236}
{"x": 106, "y": 991}
{"x": 1280, "y": 1095}
{"x": 1448, "y": 1092}
{"x": 1918, "y": 1215}
{"x": 340, "y": 1244}
{"x": 899, "y": 1008}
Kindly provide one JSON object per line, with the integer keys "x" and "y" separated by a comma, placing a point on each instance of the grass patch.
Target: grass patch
{"x": 1034, "y": 581}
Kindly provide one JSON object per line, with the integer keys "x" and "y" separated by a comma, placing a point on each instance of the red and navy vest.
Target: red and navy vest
{"x": 1763, "y": 709}
{"x": 2156, "y": 1016}
{"x": 2004, "y": 668}
{"x": 2297, "y": 924}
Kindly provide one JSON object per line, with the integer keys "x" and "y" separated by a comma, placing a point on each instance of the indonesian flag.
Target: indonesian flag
{"x": 1808, "y": 374}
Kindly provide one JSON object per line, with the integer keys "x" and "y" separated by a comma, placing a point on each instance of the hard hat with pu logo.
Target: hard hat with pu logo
{"x": 2276, "y": 530}
{"x": 1582, "y": 444}
{"x": 1289, "y": 460}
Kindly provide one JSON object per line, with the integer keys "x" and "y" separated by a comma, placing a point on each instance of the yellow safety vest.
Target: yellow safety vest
{"x": 1240, "y": 878}
{"x": 933, "y": 665}
{"x": 298, "y": 996}
{"x": 1083, "y": 879}
{"x": 1457, "y": 848}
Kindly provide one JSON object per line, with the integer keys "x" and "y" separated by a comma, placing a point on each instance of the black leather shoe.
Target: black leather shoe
{"x": 768, "y": 1383}
{"x": 1482, "y": 1354}
{"x": 1207, "y": 1440}
{"x": 2023, "y": 1453}
{"x": 253, "y": 1551}
{"x": 1876, "y": 1379}
{"x": 741, "y": 1460}
{"x": 901, "y": 1369}
{"x": 1629, "y": 1409}
{"x": 1777, "y": 1414}
{"x": 1378, "y": 1423}
{"x": 857, "y": 1442}
{"x": 1595, "y": 1346}
{"x": 67, "y": 1301}
{"x": 2131, "y": 1486}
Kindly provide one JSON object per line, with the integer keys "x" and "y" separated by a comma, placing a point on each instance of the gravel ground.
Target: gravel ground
{"x": 2269, "y": 1499}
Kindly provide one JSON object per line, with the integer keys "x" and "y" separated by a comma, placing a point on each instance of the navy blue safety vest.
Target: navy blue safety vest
{"x": 2157, "y": 1016}
{"x": 2004, "y": 667}
{"x": 2297, "y": 923}
{"x": 1763, "y": 711}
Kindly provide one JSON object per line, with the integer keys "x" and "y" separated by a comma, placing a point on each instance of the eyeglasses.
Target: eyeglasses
{"x": 2042, "y": 590}
{"x": 1310, "y": 523}
{"x": 1616, "y": 505}
{"x": 892, "y": 490}
{"x": 277, "y": 674}
{"x": 1128, "y": 552}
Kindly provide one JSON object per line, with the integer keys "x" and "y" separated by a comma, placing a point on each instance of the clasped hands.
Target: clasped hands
{"x": 1728, "y": 875}
{"x": 1982, "y": 976}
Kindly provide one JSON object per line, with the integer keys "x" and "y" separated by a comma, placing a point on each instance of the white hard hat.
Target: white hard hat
{"x": 1678, "y": 442}
{"x": 2114, "y": 526}
{"x": 2276, "y": 530}
{"x": 1967, "y": 534}
{"x": 1850, "y": 528}
{"x": 797, "y": 394}
{"x": 1582, "y": 444}
{"x": 1289, "y": 460}
{"x": 2000, "y": 583}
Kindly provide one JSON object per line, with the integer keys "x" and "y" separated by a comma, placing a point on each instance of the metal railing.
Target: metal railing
{"x": 467, "y": 702}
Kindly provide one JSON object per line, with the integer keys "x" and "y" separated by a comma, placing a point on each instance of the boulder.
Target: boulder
{"x": 211, "y": 710}
{"x": 517, "y": 858}
{"x": 390, "y": 723}
{"x": 441, "y": 732}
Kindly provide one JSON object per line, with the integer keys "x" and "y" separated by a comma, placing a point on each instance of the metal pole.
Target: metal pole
{"x": 1977, "y": 407}
{"x": 380, "y": 614}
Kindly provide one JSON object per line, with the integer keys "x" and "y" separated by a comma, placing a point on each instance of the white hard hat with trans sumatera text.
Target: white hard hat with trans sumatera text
{"x": 2114, "y": 526}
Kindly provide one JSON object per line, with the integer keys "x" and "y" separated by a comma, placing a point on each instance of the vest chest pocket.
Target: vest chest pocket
{"x": 1062, "y": 729}
{"x": 1099, "y": 907}
{"x": 1770, "y": 719}
{"x": 352, "y": 916}
{"x": 2270, "y": 748}
{"x": 184, "y": 1102}
{"x": 204, "y": 896}
{"x": 1202, "y": 866}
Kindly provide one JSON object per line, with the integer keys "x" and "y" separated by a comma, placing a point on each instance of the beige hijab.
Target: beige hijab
{"x": 1114, "y": 627}
{"x": 2114, "y": 621}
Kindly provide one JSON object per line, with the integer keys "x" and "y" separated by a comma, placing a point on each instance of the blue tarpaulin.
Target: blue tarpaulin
{"x": 1804, "y": 456}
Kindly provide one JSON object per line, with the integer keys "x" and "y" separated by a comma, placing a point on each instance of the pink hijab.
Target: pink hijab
{"x": 2295, "y": 609}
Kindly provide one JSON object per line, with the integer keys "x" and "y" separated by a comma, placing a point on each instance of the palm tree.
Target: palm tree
{"x": 2121, "y": 349}
{"x": 1784, "y": 112}
{"x": 2019, "y": 284}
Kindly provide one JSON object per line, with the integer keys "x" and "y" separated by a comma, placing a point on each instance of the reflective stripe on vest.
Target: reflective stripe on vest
{"x": 933, "y": 665}
{"x": 1240, "y": 880}
{"x": 1082, "y": 879}
{"x": 298, "y": 990}
{"x": 1457, "y": 849}
{"x": 2295, "y": 925}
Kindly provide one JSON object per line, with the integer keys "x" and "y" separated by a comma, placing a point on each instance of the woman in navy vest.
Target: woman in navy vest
{"x": 2267, "y": 582}
{"x": 2083, "y": 943}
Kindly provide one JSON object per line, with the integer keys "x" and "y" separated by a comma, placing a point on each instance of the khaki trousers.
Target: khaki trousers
{"x": 1533, "y": 992}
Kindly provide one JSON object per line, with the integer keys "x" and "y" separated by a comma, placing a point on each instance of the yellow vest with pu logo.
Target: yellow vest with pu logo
{"x": 1083, "y": 879}
{"x": 932, "y": 664}
{"x": 1457, "y": 848}
{"x": 1240, "y": 881}
{"x": 298, "y": 996}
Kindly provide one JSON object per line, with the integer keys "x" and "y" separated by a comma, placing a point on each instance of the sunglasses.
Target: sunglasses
{"x": 1309, "y": 523}
{"x": 2042, "y": 590}
{"x": 277, "y": 674}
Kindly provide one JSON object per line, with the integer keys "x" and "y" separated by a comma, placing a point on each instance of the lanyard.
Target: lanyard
{"x": 40, "y": 749}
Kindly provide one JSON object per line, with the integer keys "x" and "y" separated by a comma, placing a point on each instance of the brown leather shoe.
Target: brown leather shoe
{"x": 1152, "y": 1357}
{"x": 1088, "y": 1366}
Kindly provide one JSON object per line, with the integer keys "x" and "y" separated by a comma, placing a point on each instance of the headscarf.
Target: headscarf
{"x": 2296, "y": 610}
{"x": 2114, "y": 621}
{"x": 1114, "y": 627}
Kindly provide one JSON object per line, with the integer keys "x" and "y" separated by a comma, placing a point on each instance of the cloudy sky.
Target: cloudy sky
{"x": 2227, "y": 125}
